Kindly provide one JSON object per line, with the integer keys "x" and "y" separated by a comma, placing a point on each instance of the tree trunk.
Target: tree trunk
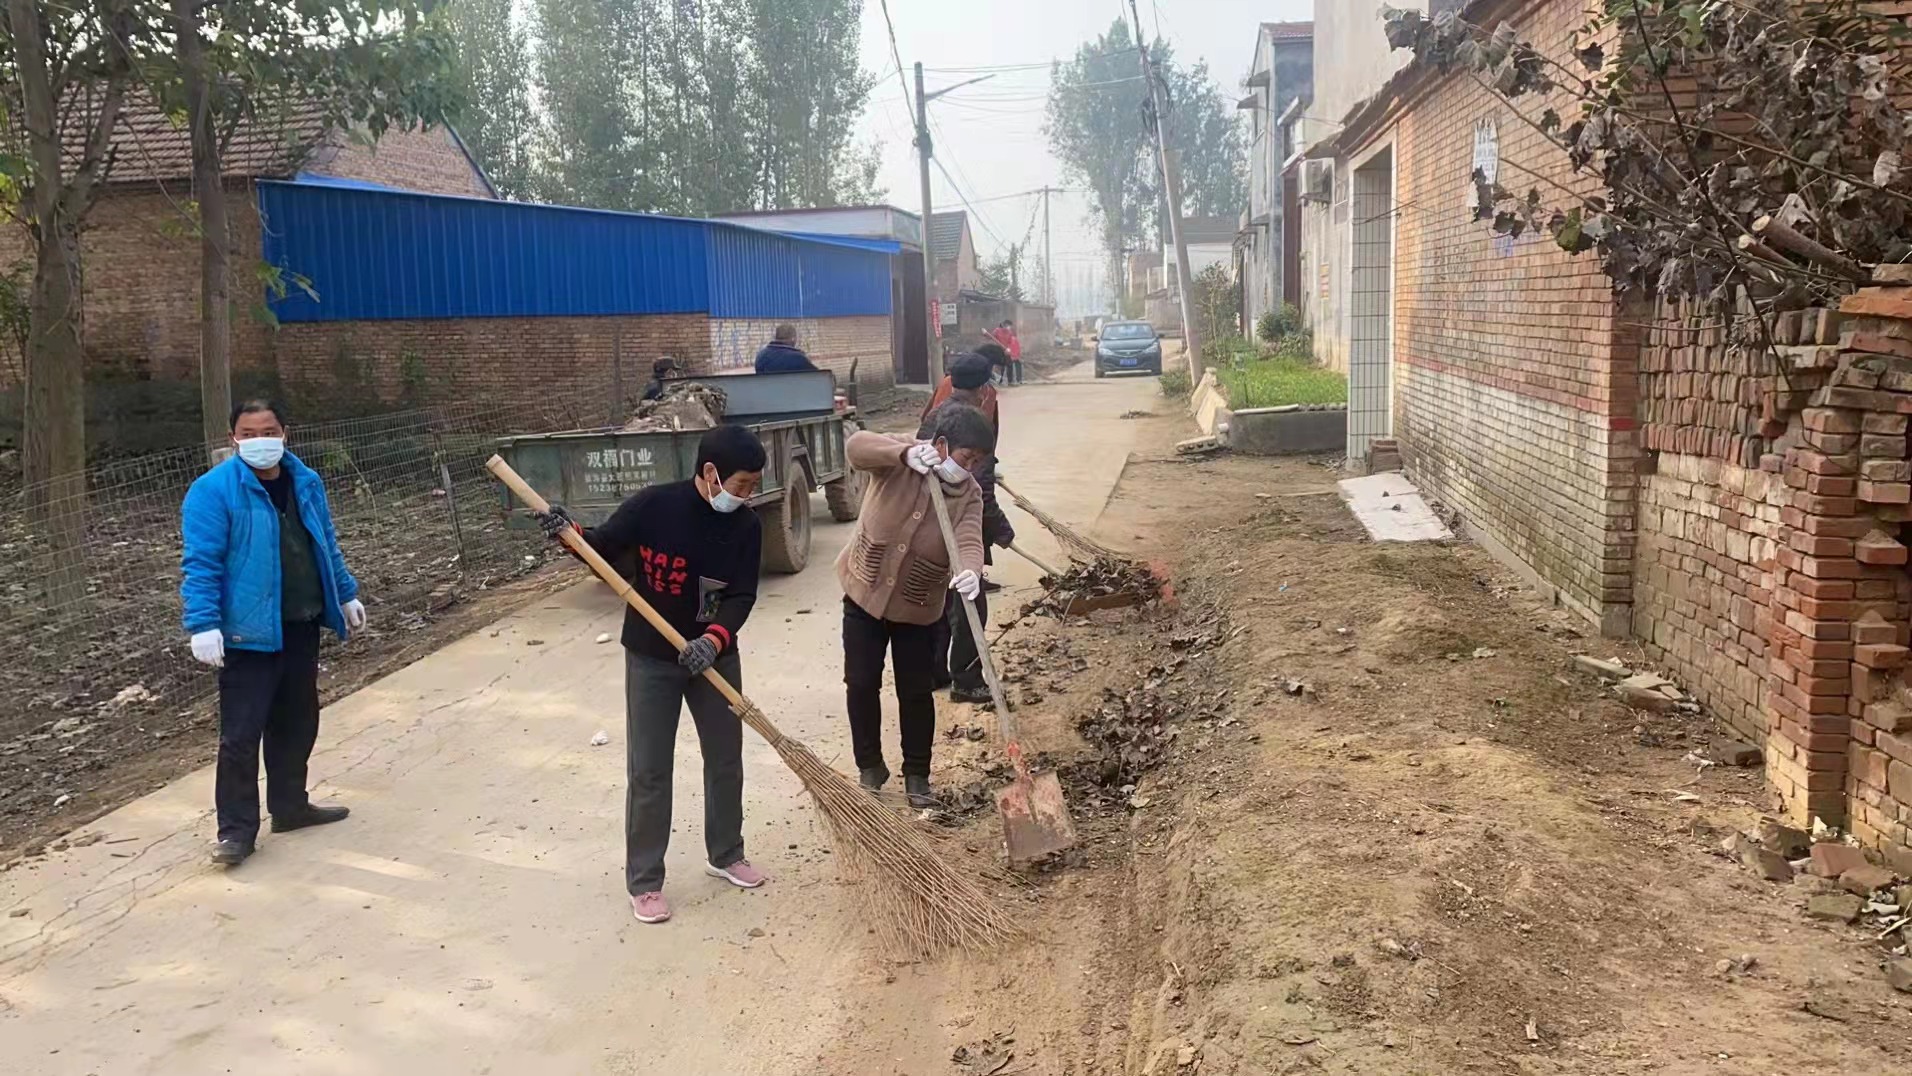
{"x": 54, "y": 461}
{"x": 215, "y": 307}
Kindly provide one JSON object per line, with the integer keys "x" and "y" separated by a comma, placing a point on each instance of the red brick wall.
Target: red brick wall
{"x": 429, "y": 161}
{"x": 1514, "y": 378}
{"x": 374, "y": 364}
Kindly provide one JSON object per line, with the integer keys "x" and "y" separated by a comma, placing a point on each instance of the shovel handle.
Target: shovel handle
{"x": 1004, "y": 719}
{"x": 574, "y": 541}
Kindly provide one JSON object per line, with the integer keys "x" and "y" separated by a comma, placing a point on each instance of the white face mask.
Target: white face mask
{"x": 262, "y": 453}
{"x": 722, "y": 500}
{"x": 951, "y": 471}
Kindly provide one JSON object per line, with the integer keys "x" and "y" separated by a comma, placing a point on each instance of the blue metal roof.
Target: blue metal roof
{"x": 373, "y": 254}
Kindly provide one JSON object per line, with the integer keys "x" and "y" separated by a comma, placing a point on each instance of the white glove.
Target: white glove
{"x": 209, "y": 648}
{"x": 354, "y": 611}
{"x": 922, "y": 458}
{"x": 968, "y": 584}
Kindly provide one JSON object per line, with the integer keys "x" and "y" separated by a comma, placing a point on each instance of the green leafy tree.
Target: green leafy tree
{"x": 591, "y": 60}
{"x": 222, "y": 66}
{"x": 493, "y": 65}
{"x": 1217, "y": 303}
{"x": 1002, "y": 275}
{"x": 69, "y": 69}
{"x": 1097, "y": 126}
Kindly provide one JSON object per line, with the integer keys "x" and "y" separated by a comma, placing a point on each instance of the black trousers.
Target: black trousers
{"x": 965, "y": 667}
{"x": 270, "y": 699}
{"x": 912, "y": 651}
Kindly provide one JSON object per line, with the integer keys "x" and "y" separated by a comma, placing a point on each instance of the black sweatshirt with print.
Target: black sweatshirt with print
{"x": 695, "y": 565}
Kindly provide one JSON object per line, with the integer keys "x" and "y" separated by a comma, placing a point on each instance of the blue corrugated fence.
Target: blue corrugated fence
{"x": 377, "y": 254}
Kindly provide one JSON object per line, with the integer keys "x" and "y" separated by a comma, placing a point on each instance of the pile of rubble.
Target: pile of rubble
{"x": 1653, "y": 693}
{"x": 1841, "y": 886}
{"x": 1103, "y": 583}
{"x": 1132, "y": 732}
{"x": 685, "y": 405}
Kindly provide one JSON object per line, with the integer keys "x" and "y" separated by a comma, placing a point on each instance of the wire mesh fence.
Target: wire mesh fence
{"x": 96, "y": 639}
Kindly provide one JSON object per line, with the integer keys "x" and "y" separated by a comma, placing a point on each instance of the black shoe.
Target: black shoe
{"x": 310, "y": 815}
{"x": 873, "y": 778}
{"x": 230, "y": 853}
{"x": 940, "y": 683}
{"x": 917, "y": 788}
{"x": 964, "y": 693}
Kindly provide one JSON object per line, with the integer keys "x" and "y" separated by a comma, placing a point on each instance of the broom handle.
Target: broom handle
{"x": 1004, "y": 720}
{"x": 574, "y": 541}
{"x": 1024, "y": 554}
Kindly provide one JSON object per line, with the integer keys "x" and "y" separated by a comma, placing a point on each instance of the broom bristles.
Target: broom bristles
{"x": 1074, "y": 543}
{"x": 918, "y": 903}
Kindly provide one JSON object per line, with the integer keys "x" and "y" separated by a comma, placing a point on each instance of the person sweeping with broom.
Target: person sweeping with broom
{"x": 894, "y": 574}
{"x": 697, "y": 546}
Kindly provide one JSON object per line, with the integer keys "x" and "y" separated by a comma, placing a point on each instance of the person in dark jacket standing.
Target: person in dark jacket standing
{"x": 661, "y": 371}
{"x": 957, "y": 663}
{"x": 260, "y": 574}
{"x": 782, "y": 355}
{"x": 696, "y": 546}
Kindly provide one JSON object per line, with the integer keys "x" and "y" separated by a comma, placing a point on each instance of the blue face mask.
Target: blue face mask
{"x": 262, "y": 453}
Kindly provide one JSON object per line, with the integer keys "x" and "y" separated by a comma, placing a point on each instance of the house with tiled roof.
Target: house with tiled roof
{"x": 954, "y": 250}
{"x": 140, "y": 248}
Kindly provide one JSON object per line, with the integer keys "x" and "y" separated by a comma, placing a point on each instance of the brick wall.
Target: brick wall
{"x": 429, "y": 161}
{"x": 354, "y": 366}
{"x": 1702, "y": 585}
{"x": 1515, "y": 377}
{"x": 832, "y": 343}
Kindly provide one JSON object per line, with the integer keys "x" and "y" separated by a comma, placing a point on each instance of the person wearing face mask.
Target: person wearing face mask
{"x": 694, "y": 546}
{"x": 895, "y": 573}
{"x": 956, "y": 663}
{"x": 261, "y": 574}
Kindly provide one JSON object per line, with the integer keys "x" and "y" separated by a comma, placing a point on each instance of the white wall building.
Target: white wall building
{"x": 1279, "y": 81}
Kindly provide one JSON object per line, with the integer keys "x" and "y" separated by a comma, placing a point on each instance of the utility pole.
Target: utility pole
{"x": 1048, "y": 260}
{"x": 924, "y": 147}
{"x": 1172, "y": 183}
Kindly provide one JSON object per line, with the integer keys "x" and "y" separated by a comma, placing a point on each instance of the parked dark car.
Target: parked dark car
{"x": 1128, "y": 347}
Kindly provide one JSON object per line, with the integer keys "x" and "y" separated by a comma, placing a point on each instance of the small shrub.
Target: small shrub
{"x": 1268, "y": 326}
{"x": 1176, "y": 384}
{"x": 1227, "y": 351}
{"x": 1275, "y": 325}
{"x": 1298, "y": 345}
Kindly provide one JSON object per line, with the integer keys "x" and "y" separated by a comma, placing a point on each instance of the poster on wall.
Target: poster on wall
{"x": 949, "y": 314}
{"x": 935, "y": 318}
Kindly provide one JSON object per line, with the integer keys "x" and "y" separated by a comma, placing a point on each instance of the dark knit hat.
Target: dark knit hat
{"x": 969, "y": 371}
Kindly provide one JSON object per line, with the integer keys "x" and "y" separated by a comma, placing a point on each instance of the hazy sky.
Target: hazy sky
{"x": 989, "y": 136}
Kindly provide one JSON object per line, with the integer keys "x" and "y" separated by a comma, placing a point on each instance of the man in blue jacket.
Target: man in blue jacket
{"x": 782, "y": 355}
{"x": 260, "y": 575}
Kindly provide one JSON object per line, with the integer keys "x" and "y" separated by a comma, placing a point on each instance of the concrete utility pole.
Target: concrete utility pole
{"x": 1172, "y": 183}
{"x": 924, "y": 147}
{"x": 1048, "y": 263}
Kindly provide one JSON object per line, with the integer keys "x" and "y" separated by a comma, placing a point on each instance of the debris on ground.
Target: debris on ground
{"x": 1651, "y": 692}
{"x": 1736, "y": 753}
{"x": 685, "y": 405}
{"x": 1614, "y": 669}
{"x": 1138, "y": 414}
{"x": 600, "y": 738}
{"x": 1103, "y": 583}
{"x": 985, "y": 1057}
{"x": 1199, "y": 446}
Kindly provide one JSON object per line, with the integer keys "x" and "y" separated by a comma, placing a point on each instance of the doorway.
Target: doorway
{"x": 1371, "y": 307}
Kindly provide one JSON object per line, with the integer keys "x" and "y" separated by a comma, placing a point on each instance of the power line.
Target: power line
{"x": 895, "y": 53}
{"x": 963, "y": 198}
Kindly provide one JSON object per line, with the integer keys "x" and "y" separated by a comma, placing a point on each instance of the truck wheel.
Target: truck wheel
{"x": 845, "y": 495}
{"x": 786, "y": 527}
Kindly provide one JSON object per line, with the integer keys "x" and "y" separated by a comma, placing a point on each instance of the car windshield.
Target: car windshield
{"x": 1131, "y": 331}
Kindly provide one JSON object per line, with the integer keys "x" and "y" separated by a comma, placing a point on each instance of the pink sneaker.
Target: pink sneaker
{"x": 650, "y": 908}
{"x": 740, "y": 874}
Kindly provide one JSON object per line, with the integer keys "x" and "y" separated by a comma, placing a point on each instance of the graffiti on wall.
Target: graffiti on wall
{"x": 734, "y": 342}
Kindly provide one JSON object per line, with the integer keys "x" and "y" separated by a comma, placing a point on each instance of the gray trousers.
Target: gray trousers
{"x": 655, "y": 692}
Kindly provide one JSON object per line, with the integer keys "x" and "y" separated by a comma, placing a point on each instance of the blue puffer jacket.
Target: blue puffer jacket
{"x": 229, "y": 575}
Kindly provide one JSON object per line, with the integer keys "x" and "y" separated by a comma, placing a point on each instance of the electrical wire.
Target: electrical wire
{"x": 963, "y": 198}
{"x": 895, "y": 53}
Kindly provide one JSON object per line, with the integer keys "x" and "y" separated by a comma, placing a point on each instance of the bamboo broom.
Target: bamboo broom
{"x": 918, "y": 903}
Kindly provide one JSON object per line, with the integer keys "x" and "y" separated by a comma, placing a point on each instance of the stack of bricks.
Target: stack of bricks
{"x": 1840, "y": 742}
{"x": 1701, "y": 394}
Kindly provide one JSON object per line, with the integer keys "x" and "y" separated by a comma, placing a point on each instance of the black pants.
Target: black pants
{"x": 1015, "y": 372}
{"x": 912, "y": 651}
{"x": 965, "y": 667}
{"x": 271, "y": 699}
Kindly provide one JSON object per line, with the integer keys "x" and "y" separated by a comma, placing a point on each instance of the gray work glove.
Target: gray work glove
{"x": 699, "y": 654}
{"x": 554, "y": 522}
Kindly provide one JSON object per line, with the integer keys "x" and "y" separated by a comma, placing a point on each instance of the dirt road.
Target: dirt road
{"x": 469, "y": 917}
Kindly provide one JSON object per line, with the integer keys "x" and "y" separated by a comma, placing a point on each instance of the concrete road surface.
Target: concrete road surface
{"x": 470, "y": 917}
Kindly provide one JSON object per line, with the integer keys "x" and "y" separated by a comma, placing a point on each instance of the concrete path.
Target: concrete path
{"x": 470, "y": 916}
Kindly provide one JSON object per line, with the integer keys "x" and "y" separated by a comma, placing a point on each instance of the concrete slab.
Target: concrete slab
{"x": 1392, "y": 509}
{"x": 470, "y": 916}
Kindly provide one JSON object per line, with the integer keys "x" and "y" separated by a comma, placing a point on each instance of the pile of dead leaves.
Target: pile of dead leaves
{"x": 685, "y": 405}
{"x": 1103, "y": 583}
{"x": 1133, "y": 731}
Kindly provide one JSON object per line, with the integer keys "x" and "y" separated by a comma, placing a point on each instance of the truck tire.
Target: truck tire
{"x": 786, "y": 527}
{"x": 845, "y": 495}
